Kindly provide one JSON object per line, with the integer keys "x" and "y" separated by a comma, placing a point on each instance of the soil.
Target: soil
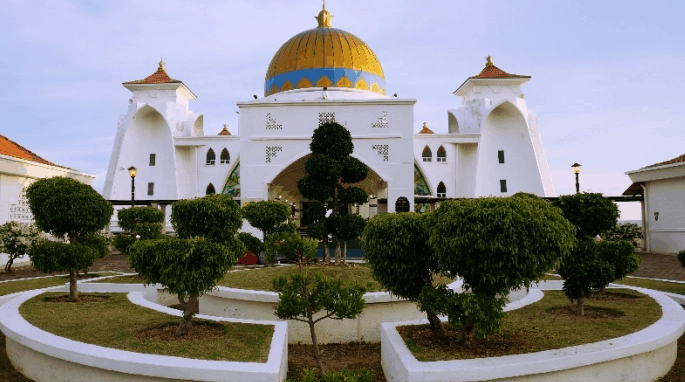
{"x": 167, "y": 331}
{"x": 352, "y": 356}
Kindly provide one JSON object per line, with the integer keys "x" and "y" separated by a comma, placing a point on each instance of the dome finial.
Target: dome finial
{"x": 488, "y": 61}
{"x": 162, "y": 65}
{"x": 324, "y": 18}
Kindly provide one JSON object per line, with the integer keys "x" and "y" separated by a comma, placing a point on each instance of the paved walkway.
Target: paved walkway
{"x": 660, "y": 267}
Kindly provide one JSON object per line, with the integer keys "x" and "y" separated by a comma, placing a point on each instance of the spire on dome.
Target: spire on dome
{"x": 324, "y": 18}
{"x": 225, "y": 130}
{"x": 425, "y": 129}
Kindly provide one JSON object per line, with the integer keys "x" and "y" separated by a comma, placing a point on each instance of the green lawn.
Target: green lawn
{"x": 122, "y": 280}
{"x": 536, "y": 328}
{"x": 119, "y": 324}
{"x": 664, "y": 286}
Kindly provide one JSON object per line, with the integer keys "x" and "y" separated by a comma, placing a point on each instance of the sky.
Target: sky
{"x": 606, "y": 81}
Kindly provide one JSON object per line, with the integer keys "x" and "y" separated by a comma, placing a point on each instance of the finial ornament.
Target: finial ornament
{"x": 425, "y": 125}
{"x": 324, "y": 18}
{"x": 488, "y": 61}
{"x": 225, "y": 126}
{"x": 162, "y": 65}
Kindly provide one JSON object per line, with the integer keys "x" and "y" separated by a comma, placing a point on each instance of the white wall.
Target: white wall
{"x": 667, "y": 197}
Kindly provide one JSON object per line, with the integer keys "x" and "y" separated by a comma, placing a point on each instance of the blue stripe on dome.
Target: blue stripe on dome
{"x": 313, "y": 75}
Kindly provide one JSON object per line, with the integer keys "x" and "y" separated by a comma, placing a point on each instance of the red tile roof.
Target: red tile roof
{"x": 13, "y": 149}
{"x": 491, "y": 71}
{"x": 670, "y": 161}
{"x": 225, "y": 131}
{"x": 158, "y": 77}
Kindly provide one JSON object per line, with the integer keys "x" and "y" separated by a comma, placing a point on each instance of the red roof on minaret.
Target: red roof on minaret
{"x": 426, "y": 130}
{"x": 13, "y": 149}
{"x": 225, "y": 130}
{"x": 491, "y": 71}
{"x": 158, "y": 77}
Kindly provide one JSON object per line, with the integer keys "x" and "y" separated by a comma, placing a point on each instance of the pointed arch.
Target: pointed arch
{"x": 452, "y": 123}
{"x": 225, "y": 157}
{"x": 427, "y": 154}
{"x": 442, "y": 154}
{"x": 442, "y": 190}
{"x": 210, "y": 158}
{"x": 210, "y": 190}
{"x": 232, "y": 185}
{"x": 421, "y": 186}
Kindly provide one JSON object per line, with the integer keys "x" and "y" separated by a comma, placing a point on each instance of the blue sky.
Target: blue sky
{"x": 606, "y": 79}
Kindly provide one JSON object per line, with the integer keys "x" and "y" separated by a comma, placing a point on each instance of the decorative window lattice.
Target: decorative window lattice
{"x": 382, "y": 121}
{"x": 20, "y": 211}
{"x": 382, "y": 150}
{"x": 271, "y": 123}
{"x": 271, "y": 152}
{"x": 232, "y": 186}
{"x": 326, "y": 117}
{"x": 420, "y": 184}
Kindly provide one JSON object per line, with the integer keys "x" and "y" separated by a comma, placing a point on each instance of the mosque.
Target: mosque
{"x": 492, "y": 147}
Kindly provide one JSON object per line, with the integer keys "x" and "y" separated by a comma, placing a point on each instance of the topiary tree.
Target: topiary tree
{"x": 621, "y": 255}
{"x": 251, "y": 243}
{"x": 67, "y": 208}
{"x": 303, "y": 294}
{"x": 15, "y": 240}
{"x": 590, "y": 266}
{"x": 349, "y": 227}
{"x": 330, "y": 170}
{"x": 627, "y": 231}
{"x": 396, "y": 247}
{"x": 193, "y": 263}
{"x": 319, "y": 228}
{"x": 267, "y": 216}
{"x": 495, "y": 245}
{"x": 144, "y": 223}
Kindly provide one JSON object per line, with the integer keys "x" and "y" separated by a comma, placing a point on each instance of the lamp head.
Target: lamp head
{"x": 132, "y": 171}
{"x": 576, "y": 168}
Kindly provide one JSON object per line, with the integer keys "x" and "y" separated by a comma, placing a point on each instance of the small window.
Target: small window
{"x": 210, "y": 190}
{"x": 442, "y": 190}
{"x": 503, "y": 185}
{"x": 500, "y": 156}
{"x": 152, "y": 159}
{"x": 225, "y": 156}
{"x": 211, "y": 157}
{"x": 427, "y": 154}
{"x": 150, "y": 188}
{"x": 442, "y": 155}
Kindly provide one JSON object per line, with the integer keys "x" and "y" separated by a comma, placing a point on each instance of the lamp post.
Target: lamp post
{"x": 133, "y": 171}
{"x": 576, "y": 170}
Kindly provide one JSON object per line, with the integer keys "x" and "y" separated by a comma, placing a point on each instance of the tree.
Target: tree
{"x": 396, "y": 247}
{"x": 142, "y": 222}
{"x": 193, "y": 263}
{"x": 303, "y": 295}
{"x": 627, "y": 231}
{"x": 495, "y": 245}
{"x": 251, "y": 243}
{"x": 15, "y": 240}
{"x": 621, "y": 255}
{"x": 591, "y": 265}
{"x": 267, "y": 216}
{"x": 349, "y": 227}
{"x": 67, "y": 208}
{"x": 330, "y": 171}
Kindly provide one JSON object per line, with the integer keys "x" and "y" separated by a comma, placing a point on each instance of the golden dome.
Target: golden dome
{"x": 324, "y": 56}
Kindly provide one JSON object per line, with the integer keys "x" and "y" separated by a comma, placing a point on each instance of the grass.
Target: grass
{"x": 122, "y": 280}
{"x": 24, "y": 285}
{"x": 260, "y": 278}
{"x": 664, "y": 286}
{"x": 536, "y": 328}
{"x": 119, "y": 324}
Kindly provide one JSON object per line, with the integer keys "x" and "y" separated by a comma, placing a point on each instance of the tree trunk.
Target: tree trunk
{"x": 190, "y": 307}
{"x": 335, "y": 215}
{"x": 345, "y": 252}
{"x": 8, "y": 266}
{"x": 436, "y": 325}
{"x": 326, "y": 252}
{"x": 73, "y": 290}
{"x": 315, "y": 347}
{"x": 465, "y": 331}
{"x": 602, "y": 290}
{"x": 266, "y": 261}
{"x": 581, "y": 306}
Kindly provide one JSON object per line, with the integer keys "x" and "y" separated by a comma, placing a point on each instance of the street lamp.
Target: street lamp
{"x": 133, "y": 171}
{"x": 576, "y": 170}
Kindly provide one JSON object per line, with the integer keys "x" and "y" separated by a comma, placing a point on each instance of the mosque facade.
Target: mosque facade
{"x": 492, "y": 146}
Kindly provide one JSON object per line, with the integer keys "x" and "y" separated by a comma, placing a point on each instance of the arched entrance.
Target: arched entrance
{"x": 284, "y": 187}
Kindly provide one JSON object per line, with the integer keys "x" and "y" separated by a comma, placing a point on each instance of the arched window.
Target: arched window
{"x": 211, "y": 157}
{"x": 210, "y": 190}
{"x": 442, "y": 154}
{"x": 442, "y": 190}
{"x": 225, "y": 156}
{"x": 427, "y": 154}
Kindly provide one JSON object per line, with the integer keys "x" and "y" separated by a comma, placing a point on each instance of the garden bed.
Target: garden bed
{"x": 641, "y": 356}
